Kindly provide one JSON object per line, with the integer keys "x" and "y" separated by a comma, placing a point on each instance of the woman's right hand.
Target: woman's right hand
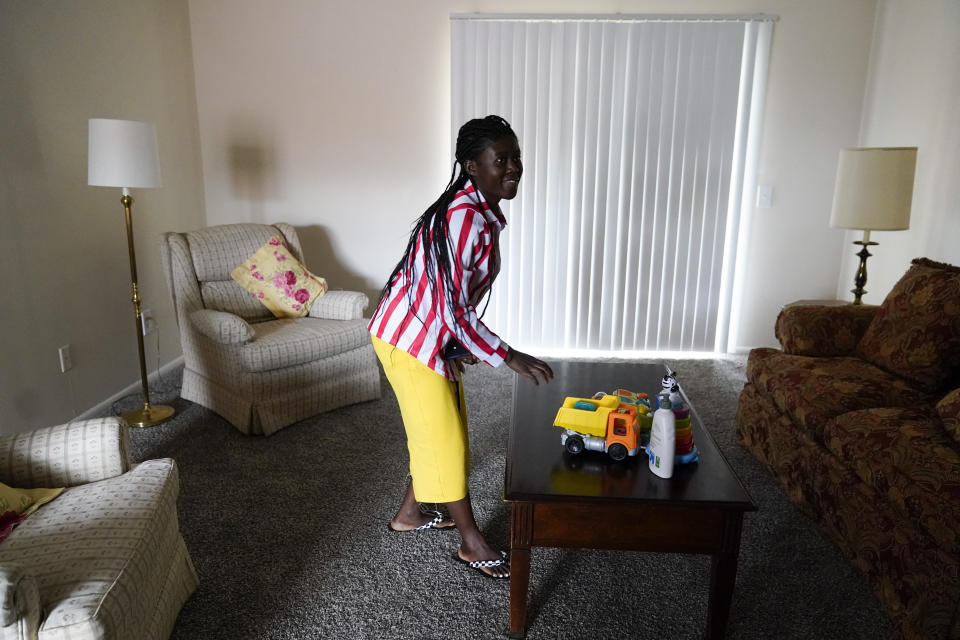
{"x": 528, "y": 366}
{"x": 459, "y": 361}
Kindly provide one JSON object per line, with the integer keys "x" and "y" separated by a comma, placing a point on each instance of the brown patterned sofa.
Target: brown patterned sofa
{"x": 858, "y": 417}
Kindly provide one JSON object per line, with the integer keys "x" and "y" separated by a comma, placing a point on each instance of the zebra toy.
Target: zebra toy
{"x": 669, "y": 385}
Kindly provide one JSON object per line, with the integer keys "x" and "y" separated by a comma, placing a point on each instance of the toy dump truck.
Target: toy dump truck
{"x": 606, "y": 423}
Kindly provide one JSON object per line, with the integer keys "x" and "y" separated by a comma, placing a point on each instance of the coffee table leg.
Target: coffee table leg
{"x": 521, "y": 526}
{"x": 723, "y": 577}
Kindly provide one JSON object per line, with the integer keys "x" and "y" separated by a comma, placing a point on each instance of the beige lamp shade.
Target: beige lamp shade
{"x": 122, "y": 153}
{"x": 874, "y": 189}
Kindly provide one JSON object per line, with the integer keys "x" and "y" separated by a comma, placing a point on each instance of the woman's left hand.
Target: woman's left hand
{"x": 529, "y": 367}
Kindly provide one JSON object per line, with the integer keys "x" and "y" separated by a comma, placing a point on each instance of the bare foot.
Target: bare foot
{"x": 501, "y": 570}
{"x": 412, "y": 522}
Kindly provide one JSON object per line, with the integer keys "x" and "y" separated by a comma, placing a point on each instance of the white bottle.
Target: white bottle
{"x": 663, "y": 438}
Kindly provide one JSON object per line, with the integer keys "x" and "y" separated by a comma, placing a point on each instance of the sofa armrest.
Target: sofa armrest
{"x": 949, "y": 410}
{"x": 19, "y": 603}
{"x": 221, "y": 327}
{"x": 339, "y": 305}
{"x": 65, "y": 455}
{"x": 824, "y": 331}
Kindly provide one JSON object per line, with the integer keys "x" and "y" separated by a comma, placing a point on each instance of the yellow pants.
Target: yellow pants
{"x": 435, "y": 419}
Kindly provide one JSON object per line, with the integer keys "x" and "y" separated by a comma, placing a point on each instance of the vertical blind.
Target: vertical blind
{"x": 634, "y": 134}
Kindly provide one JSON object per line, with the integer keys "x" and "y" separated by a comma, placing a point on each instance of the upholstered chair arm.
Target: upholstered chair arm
{"x": 221, "y": 327}
{"x": 339, "y": 305}
{"x": 20, "y": 603}
{"x": 65, "y": 455}
{"x": 949, "y": 410}
{"x": 822, "y": 331}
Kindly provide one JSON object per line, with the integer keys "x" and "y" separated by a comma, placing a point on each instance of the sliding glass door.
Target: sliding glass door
{"x": 635, "y": 135}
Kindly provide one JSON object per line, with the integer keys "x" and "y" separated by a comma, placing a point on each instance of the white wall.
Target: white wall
{"x": 335, "y": 116}
{"x": 64, "y": 271}
{"x": 913, "y": 99}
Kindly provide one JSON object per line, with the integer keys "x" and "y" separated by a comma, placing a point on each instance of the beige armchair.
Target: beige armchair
{"x": 259, "y": 372}
{"x": 103, "y": 561}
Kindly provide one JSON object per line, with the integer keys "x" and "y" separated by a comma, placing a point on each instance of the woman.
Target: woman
{"x": 427, "y": 308}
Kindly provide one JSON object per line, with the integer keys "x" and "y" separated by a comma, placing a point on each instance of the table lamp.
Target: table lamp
{"x": 123, "y": 153}
{"x": 873, "y": 193}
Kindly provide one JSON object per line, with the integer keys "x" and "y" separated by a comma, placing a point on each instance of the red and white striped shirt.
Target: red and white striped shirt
{"x": 423, "y": 329}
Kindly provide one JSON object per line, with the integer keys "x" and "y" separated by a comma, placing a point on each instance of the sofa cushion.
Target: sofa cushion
{"x": 904, "y": 454}
{"x": 949, "y": 410}
{"x": 292, "y": 341}
{"x": 916, "y": 332}
{"x": 812, "y": 391}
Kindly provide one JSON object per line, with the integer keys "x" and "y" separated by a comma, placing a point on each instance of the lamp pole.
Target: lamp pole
{"x": 861, "y": 278}
{"x": 123, "y": 153}
{"x": 148, "y": 415}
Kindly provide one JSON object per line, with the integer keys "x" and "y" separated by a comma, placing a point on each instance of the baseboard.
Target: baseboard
{"x": 153, "y": 380}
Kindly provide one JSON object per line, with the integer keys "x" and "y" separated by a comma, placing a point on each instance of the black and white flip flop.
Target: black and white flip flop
{"x": 480, "y": 565}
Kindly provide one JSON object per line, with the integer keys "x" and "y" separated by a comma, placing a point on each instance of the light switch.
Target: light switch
{"x": 764, "y": 196}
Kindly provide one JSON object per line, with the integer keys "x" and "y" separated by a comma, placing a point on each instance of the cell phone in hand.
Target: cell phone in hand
{"x": 454, "y": 350}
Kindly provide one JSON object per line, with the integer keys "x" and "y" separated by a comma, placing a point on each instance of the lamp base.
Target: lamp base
{"x": 861, "y": 278}
{"x": 148, "y": 416}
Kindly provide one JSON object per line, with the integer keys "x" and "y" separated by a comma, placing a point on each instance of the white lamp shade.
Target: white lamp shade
{"x": 122, "y": 153}
{"x": 874, "y": 189}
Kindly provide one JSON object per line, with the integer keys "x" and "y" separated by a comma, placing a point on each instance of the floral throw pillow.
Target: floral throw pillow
{"x": 17, "y": 504}
{"x": 279, "y": 281}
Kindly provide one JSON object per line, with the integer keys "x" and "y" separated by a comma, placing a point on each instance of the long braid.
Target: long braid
{"x": 431, "y": 228}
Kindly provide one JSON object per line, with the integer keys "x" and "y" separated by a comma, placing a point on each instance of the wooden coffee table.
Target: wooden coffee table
{"x": 590, "y": 501}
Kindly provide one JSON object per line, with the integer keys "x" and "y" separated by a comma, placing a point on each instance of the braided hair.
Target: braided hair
{"x": 431, "y": 227}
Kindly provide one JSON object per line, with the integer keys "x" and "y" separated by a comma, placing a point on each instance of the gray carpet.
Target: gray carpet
{"x": 289, "y": 537}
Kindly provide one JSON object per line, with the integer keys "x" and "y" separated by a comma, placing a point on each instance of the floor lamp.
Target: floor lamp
{"x": 123, "y": 153}
{"x": 873, "y": 193}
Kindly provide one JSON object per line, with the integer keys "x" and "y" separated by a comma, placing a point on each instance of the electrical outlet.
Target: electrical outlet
{"x": 66, "y": 362}
{"x": 148, "y": 324}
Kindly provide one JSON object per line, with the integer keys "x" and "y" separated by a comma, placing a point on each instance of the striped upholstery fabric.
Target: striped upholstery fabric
{"x": 288, "y": 369}
{"x": 286, "y": 343}
{"x": 105, "y": 560}
{"x": 221, "y": 327}
{"x": 339, "y": 305}
{"x": 214, "y": 250}
{"x": 226, "y": 295}
{"x": 64, "y": 455}
{"x": 20, "y": 613}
